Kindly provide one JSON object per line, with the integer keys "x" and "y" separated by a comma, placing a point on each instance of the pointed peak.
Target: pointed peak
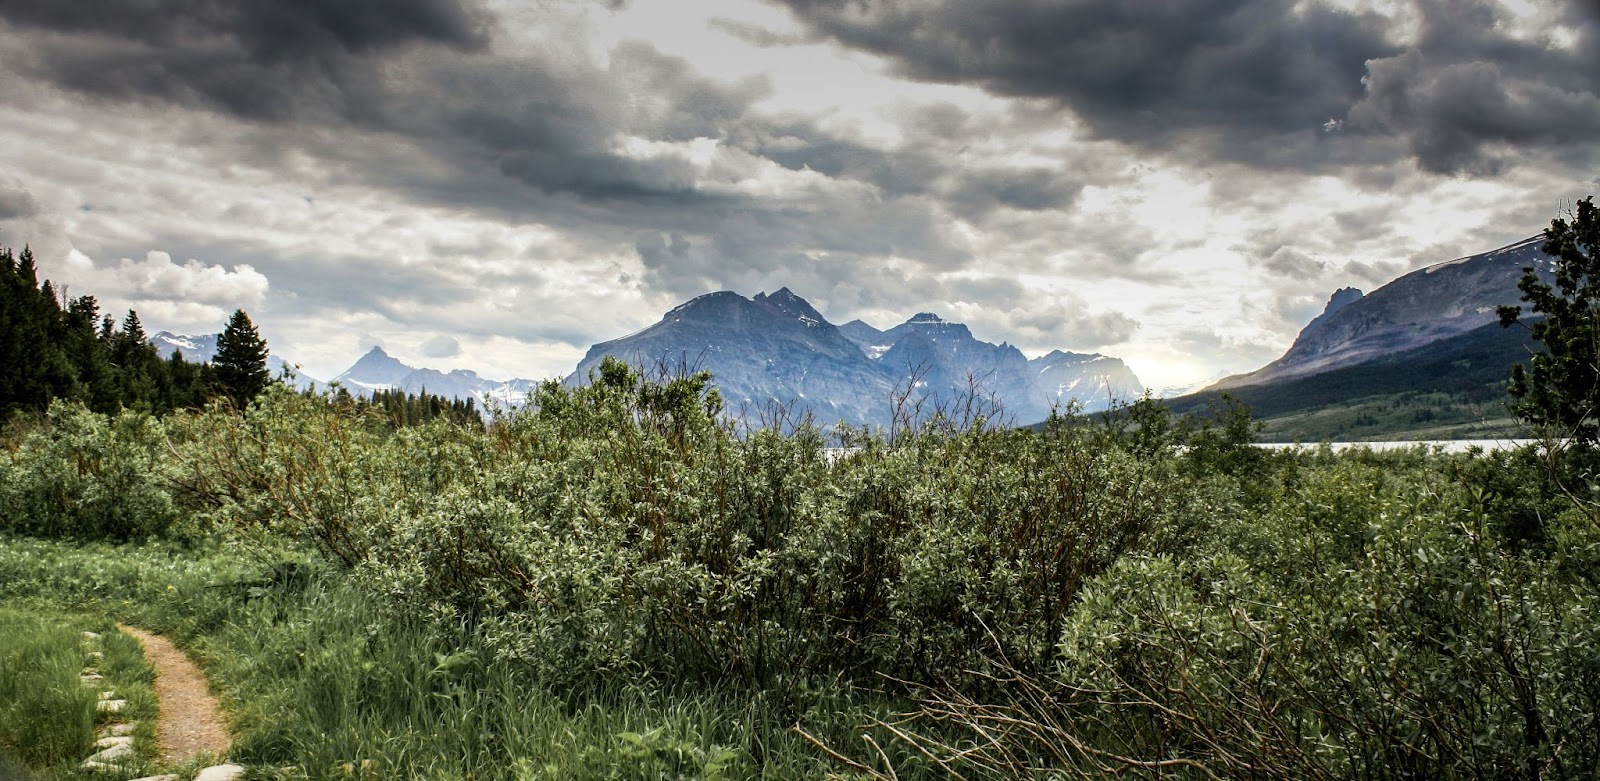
{"x": 925, "y": 318}
{"x": 1340, "y": 299}
{"x": 785, "y": 301}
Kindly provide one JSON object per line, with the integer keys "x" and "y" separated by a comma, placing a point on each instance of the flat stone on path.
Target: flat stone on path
{"x": 221, "y": 773}
{"x": 116, "y": 730}
{"x": 162, "y": 777}
{"x": 109, "y": 757}
{"x": 191, "y": 721}
{"x": 110, "y": 706}
{"x": 113, "y": 741}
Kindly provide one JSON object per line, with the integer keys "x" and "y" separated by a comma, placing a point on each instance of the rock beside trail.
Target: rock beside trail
{"x": 110, "y": 706}
{"x": 221, "y": 773}
{"x": 109, "y": 758}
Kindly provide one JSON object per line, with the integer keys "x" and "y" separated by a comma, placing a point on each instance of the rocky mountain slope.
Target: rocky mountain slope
{"x": 777, "y": 351}
{"x": 1434, "y": 303}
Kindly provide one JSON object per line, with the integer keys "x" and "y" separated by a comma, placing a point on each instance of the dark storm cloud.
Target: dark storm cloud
{"x": 419, "y": 98}
{"x": 1261, "y": 81}
{"x": 262, "y": 59}
{"x": 1467, "y": 97}
{"x": 1150, "y": 73}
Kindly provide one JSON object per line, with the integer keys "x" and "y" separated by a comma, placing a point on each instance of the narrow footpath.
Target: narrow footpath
{"x": 191, "y": 721}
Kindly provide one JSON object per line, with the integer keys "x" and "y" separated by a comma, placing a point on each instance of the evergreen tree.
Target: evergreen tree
{"x": 97, "y": 383}
{"x": 33, "y": 368}
{"x": 141, "y": 376}
{"x": 241, "y": 362}
{"x": 1560, "y": 388}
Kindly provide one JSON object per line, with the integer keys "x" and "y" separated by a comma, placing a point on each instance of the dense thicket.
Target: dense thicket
{"x": 1086, "y": 599}
{"x": 52, "y": 348}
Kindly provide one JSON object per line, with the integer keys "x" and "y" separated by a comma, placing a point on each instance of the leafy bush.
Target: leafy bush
{"x": 87, "y": 476}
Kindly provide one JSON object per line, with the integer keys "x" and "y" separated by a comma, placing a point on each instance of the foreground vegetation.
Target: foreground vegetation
{"x": 47, "y": 717}
{"x": 615, "y": 584}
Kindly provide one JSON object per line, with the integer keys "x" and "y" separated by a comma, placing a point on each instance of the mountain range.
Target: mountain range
{"x": 378, "y": 370}
{"x": 1432, "y": 331}
{"x": 777, "y": 350}
{"x": 1435, "y": 303}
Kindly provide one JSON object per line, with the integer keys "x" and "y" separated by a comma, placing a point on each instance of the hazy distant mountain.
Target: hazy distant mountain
{"x": 778, "y": 350}
{"x": 1184, "y": 389}
{"x": 202, "y": 349}
{"x": 377, "y": 370}
{"x": 1438, "y": 302}
{"x": 1094, "y": 380}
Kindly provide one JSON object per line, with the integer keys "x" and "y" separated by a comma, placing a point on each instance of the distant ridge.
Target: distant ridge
{"x": 777, "y": 350}
{"x": 1423, "y": 355}
{"x": 378, "y": 370}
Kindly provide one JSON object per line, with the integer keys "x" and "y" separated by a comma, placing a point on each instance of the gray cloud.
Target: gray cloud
{"x": 1228, "y": 73}
{"x": 1466, "y": 99}
{"x": 1261, "y": 81}
{"x": 259, "y": 59}
{"x": 441, "y": 347}
{"x": 1290, "y": 262}
{"x": 16, "y": 204}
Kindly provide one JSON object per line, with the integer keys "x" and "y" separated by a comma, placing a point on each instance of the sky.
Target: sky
{"x": 498, "y": 185}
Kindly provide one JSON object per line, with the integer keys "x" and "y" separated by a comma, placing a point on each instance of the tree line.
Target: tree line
{"x": 53, "y": 346}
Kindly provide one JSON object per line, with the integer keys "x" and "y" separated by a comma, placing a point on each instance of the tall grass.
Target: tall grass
{"x": 48, "y": 715}
{"x": 320, "y": 677}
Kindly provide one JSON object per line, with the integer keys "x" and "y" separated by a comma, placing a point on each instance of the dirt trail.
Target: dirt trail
{"x": 191, "y": 722}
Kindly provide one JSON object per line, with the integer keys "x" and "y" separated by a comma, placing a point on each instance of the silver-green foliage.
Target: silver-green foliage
{"x": 87, "y": 476}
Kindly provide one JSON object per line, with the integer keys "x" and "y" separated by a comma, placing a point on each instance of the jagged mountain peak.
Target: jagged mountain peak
{"x": 785, "y": 301}
{"x": 375, "y": 370}
{"x": 1062, "y": 355}
{"x": 776, "y": 348}
{"x": 203, "y": 349}
{"x": 1340, "y": 299}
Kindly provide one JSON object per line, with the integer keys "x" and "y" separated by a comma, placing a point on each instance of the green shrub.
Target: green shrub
{"x": 86, "y": 476}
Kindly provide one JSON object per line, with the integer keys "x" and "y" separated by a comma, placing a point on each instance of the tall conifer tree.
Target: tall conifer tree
{"x": 241, "y": 362}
